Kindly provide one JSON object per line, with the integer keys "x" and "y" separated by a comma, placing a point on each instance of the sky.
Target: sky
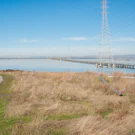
{"x": 63, "y": 27}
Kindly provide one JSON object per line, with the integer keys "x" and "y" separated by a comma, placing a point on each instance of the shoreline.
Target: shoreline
{"x": 125, "y": 75}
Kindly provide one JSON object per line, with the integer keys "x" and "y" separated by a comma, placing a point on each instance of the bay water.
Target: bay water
{"x": 48, "y": 65}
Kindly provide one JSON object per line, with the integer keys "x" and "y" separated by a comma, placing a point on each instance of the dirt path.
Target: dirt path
{"x": 1, "y": 79}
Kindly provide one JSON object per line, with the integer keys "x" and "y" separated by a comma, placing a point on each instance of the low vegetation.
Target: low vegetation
{"x": 37, "y": 103}
{"x": 6, "y": 124}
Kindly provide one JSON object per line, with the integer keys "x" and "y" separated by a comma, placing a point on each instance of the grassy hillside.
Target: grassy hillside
{"x": 66, "y": 104}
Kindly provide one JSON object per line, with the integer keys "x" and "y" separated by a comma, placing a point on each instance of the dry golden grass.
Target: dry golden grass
{"x": 97, "y": 126}
{"x": 72, "y": 104}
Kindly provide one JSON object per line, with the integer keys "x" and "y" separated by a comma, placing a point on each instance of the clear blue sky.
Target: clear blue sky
{"x": 48, "y": 27}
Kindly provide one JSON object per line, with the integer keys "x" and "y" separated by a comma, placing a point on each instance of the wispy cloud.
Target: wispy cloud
{"x": 76, "y": 38}
{"x": 94, "y": 38}
{"x": 126, "y": 39}
{"x": 28, "y": 41}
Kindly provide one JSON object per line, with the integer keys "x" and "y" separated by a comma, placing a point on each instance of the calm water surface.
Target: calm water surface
{"x": 52, "y": 66}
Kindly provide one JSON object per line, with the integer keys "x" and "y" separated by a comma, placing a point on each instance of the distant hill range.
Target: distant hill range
{"x": 131, "y": 56}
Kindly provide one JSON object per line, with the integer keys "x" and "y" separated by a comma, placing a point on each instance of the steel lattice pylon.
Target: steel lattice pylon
{"x": 105, "y": 54}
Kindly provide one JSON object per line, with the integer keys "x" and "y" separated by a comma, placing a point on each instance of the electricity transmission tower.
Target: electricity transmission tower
{"x": 105, "y": 54}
